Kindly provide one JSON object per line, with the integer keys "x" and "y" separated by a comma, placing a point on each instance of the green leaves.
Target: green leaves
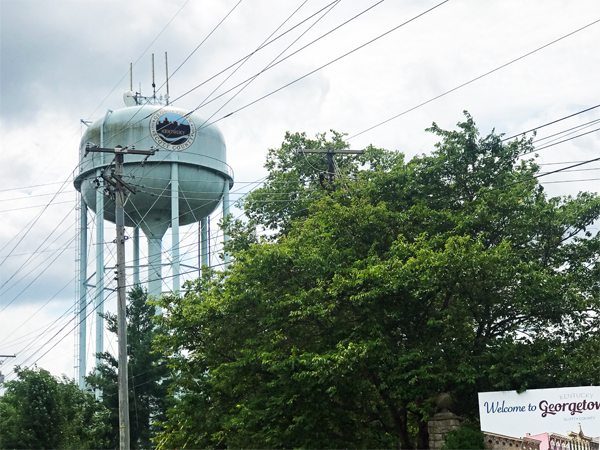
{"x": 148, "y": 374}
{"x": 40, "y": 411}
{"x": 451, "y": 272}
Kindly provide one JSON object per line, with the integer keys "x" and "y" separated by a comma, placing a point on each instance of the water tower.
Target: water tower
{"x": 181, "y": 184}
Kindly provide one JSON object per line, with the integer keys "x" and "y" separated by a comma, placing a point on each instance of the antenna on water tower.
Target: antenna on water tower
{"x": 167, "y": 73}
{"x": 153, "y": 83}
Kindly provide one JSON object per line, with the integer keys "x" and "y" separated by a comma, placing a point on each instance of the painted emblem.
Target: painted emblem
{"x": 171, "y": 130}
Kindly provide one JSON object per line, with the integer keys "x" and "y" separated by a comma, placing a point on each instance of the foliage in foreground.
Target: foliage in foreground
{"x": 39, "y": 411}
{"x": 465, "y": 439}
{"x": 147, "y": 374}
{"x": 451, "y": 272}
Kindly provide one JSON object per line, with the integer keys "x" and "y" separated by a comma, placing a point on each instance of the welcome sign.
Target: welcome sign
{"x": 541, "y": 411}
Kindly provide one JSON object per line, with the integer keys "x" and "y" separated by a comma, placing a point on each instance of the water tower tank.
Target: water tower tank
{"x": 183, "y": 181}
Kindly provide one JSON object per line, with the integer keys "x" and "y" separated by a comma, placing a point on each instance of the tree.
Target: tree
{"x": 465, "y": 438}
{"x": 451, "y": 272}
{"x": 148, "y": 374}
{"x": 40, "y": 411}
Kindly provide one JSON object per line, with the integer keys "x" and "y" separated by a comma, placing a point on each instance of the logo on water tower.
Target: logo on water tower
{"x": 171, "y": 130}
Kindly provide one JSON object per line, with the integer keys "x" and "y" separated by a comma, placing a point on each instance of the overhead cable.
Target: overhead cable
{"x": 327, "y": 64}
{"x": 477, "y": 78}
{"x": 250, "y": 54}
{"x": 554, "y": 121}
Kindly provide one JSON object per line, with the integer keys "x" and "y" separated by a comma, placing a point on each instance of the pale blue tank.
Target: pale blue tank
{"x": 179, "y": 136}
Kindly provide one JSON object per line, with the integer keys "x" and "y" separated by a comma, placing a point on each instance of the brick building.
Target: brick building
{"x": 573, "y": 441}
{"x": 542, "y": 441}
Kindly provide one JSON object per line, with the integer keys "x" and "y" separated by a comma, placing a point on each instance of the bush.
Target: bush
{"x": 464, "y": 439}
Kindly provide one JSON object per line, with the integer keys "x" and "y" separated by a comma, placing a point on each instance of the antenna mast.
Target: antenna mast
{"x": 153, "y": 84}
{"x": 167, "y": 73}
{"x": 131, "y": 76}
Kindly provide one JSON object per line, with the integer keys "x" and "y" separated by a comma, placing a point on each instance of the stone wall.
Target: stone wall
{"x": 439, "y": 427}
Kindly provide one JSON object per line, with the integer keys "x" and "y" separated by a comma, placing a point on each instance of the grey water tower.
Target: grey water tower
{"x": 182, "y": 183}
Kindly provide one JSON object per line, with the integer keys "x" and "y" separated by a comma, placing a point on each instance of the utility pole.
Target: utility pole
{"x": 330, "y": 153}
{"x": 117, "y": 186}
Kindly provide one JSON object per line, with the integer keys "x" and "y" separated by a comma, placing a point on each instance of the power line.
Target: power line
{"x": 30, "y": 187}
{"x": 39, "y": 309}
{"x": 275, "y": 64}
{"x": 556, "y": 163}
{"x": 246, "y": 60}
{"x": 553, "y": 122}
{"x": 568, "y": 132}
{"x": 107, "y": 281}
{"x": 560, "y": 142}
{"x": 46, "y": 205}
{"x": 571, "y": 181}
{"x": 61, "y": 250}
{"x": 537, "y": 176}
{"x": 38, "y": 248}
{"x": 250, "y": 54}
{"x": 73, "y": 319}
{"x": 77, "y": 324}
{"x": 61, "y": 329}
{"x": 27, "y": 197}
{"x": 325, "y": 65}
{"x": 32, "y": 223}
{"x": 29, "y": 284}
{"x": 475, "y": 79}
{"x": 58, "y": 251}
{"x": 203, "y": 41}
{"x": 51, "y": 327}
{"x": 159, "y": 34}
{"x": 127, "y": 126}
{"x": 140, "y": 57}
{"x": 164, "y": 252}
{"x": 295, "y": 52}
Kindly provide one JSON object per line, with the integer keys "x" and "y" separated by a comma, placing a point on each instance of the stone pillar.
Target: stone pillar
{"x": 442, "y": 422}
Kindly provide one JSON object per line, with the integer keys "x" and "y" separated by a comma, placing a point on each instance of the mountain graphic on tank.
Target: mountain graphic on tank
{"x": 173, "y": 128}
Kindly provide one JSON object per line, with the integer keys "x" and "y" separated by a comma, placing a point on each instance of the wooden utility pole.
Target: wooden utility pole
{"x": 117, "y": 187}
{"x": 330, "y": 153}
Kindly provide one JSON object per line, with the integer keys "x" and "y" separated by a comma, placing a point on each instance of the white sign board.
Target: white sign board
{"x": 541, "y": 411}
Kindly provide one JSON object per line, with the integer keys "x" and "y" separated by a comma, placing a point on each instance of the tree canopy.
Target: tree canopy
{"x": 147, "y": 373}
{"x": 451, "y": 272}
{"x": 39, "y": 411}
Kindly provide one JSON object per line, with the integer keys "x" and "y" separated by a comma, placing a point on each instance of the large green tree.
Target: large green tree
{"x": 39, "y": 411}
{"x": 450, "y": 272}
{"x": 148, "y": 374}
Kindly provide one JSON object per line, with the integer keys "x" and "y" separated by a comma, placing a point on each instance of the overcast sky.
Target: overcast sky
{"x": 63, "y": 61}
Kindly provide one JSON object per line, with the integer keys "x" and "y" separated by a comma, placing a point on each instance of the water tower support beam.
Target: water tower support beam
{"x": 82, "y": 292}
{"x": 154, "y": 266}
{"x": 204, "y": 243}
{"x": 175, "y": 224}
{"x": 99, "y": 273}
{"x": 136, "y": 255}
{"x": 225, "y": 214}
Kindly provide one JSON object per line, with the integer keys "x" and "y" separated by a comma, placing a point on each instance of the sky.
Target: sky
{"x": 62, "y": 62}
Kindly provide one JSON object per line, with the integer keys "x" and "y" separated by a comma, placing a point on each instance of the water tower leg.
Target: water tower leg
{"x": 175, "y": 225}
{"x": 204, "y": 239}
{"x": 99, "y": 275}
{"x": 225, "y": 214}
{"x": 154, "y": 266}
{"x": 136, "y": 255}
{"x": 82, "y": 292}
